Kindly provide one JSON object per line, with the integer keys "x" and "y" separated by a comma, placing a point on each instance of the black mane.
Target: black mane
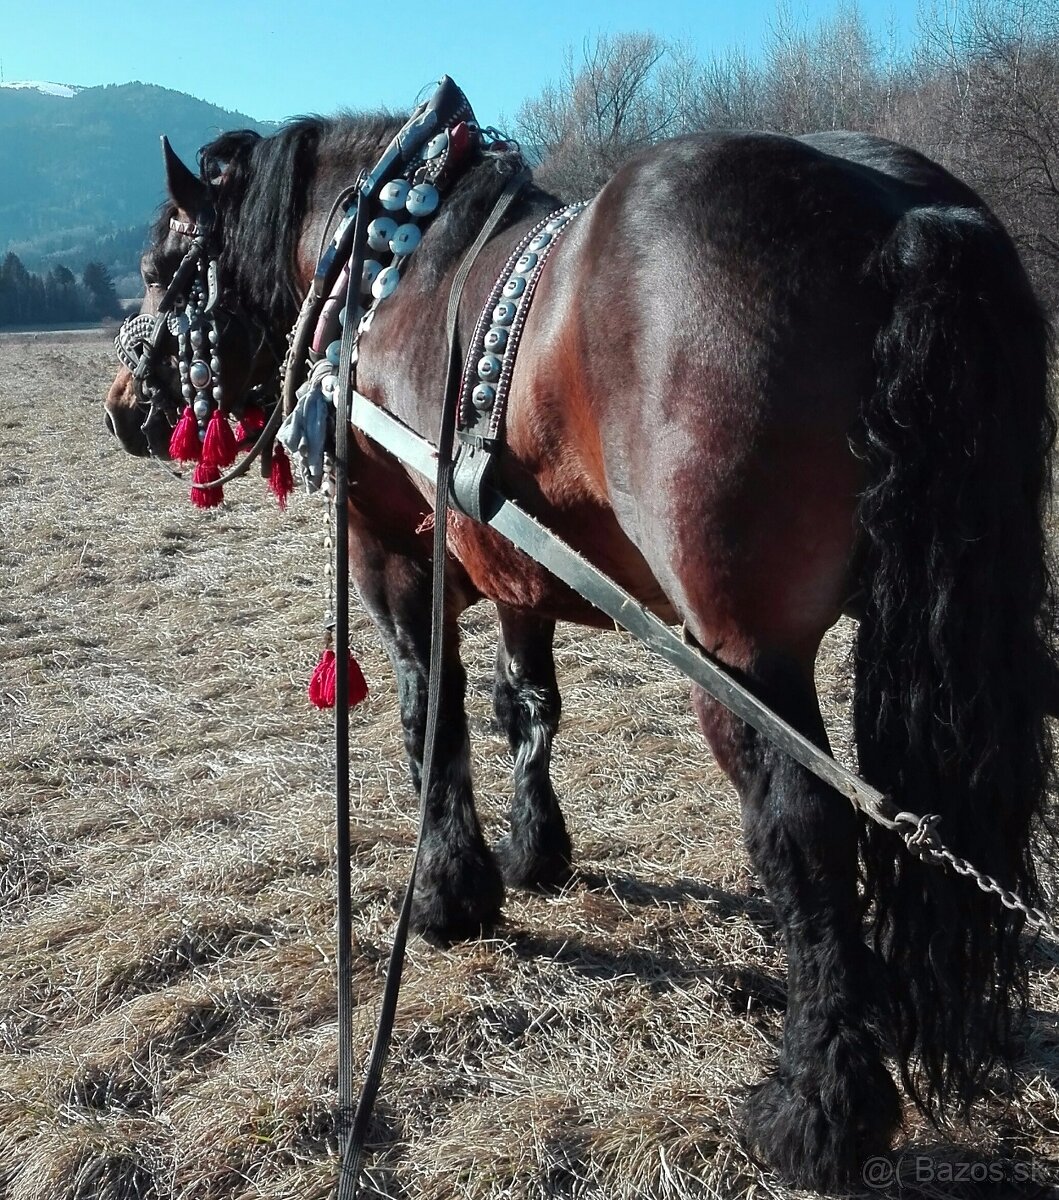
{"x": 264, "y": 190}
{"x": 261, "y": 188}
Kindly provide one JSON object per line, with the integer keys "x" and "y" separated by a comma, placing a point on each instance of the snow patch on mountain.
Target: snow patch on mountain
{"x": 47, "y": 89}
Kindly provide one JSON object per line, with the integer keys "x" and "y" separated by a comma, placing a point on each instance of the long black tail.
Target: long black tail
{"x": 955, "y": 654}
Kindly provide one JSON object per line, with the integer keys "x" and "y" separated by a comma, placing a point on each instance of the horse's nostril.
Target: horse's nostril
{"x": 109, "y": 420}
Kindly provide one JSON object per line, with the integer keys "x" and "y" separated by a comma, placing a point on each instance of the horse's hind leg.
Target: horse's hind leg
{"x": 829, "y": 1102}
{"x": 458, "y": 886}
{"x": 536, "y": 853}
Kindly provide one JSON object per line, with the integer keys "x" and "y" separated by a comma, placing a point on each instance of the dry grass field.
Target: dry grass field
{"x": 167, "y": 980}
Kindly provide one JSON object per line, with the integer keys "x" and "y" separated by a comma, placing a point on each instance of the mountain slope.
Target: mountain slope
{"x": 83, "y": 165}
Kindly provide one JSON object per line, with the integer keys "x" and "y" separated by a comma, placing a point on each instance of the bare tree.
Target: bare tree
{"x": 678, "y": 84}
{"x": 850, "y": 86}
{"x": 1013, "y": 118}
{"x": 788, "y": 75}
{"x": 825, "y": 77}
{"x": 991, "y": 73}
{"x": 979, "y": 92}
{"x": 731, "y": 94}
{"x": 603, "y": 108}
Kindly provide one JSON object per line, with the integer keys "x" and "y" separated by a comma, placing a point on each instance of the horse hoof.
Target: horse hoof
{"x": 535, "y": 871}
{"x": 818, "y": 1141}
{"x": 456, "y": 899}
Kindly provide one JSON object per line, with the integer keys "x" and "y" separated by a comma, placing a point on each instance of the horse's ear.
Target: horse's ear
{"x": 186, "y": 190}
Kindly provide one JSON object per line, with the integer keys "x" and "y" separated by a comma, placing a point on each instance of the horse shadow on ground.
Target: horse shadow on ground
{"x": 642, "y": 894}
{"x": 948, "y": 1168}
{"x": 744, "y": 988}
{"x": 942, "y": 1169}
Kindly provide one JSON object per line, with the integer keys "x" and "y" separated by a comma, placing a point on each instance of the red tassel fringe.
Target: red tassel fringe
{"x": 250, "y": 424}
{"x": 322, "y": 683}
{"x": 280, "y": 478}
{"x": 184, "y": 444}
{"x": 358, "y": 685}
{"x": 206, "y": 497}
{"x": 220, "y": 448}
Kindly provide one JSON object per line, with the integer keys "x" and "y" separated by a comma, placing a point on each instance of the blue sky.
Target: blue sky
{"x": 276, "y": 58}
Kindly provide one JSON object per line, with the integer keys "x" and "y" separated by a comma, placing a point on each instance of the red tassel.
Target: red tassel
{"x": 358, "y": 685}
{"x": 206, "y": 497}
{"x": 322, "y": 683}
{"x": 220, "y": 448}
{"x": 184, "y": 444}
{"x": 250, "y": 424}
{"x": 280, "y": 479}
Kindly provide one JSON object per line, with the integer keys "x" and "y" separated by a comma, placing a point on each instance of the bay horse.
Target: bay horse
{"x": 766, "y": 381}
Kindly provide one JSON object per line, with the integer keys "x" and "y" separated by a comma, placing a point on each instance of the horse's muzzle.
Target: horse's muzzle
{"x": 123, "y": 414}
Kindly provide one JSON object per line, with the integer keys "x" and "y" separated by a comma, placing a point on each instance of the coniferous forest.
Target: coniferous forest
{"x": 57, "y": 297}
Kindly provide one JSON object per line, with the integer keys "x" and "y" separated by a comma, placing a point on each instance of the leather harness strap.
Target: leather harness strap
{"x": 588, "y": 581}
{"x": 353, "y": 1150}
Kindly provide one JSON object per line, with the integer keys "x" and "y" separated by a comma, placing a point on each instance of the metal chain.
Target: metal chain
{"x": 920, "y": 835}
{"x": 327, "y": 487}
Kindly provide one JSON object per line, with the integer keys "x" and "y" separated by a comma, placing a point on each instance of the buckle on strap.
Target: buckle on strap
{"x": 473, "y": 466}
{"x": 477, "y": 441}
{"x": 189, "y": 228}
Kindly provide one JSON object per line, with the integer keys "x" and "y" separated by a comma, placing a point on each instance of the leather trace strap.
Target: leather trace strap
{"x": 353, "y": 1150}
{"x": 588, "y": 581}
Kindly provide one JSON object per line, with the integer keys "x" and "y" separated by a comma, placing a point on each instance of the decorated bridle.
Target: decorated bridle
{"x": 383, "y": 217}
{"x": 389, "y": 206}
{"x": 190, "y": 311}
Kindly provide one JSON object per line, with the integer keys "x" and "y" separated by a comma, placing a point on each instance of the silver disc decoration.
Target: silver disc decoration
{"x": 394, "y": 233}
{"x": 198, "y": 351}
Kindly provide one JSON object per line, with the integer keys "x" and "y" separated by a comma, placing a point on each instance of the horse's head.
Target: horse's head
{"x": 193, "y": 341}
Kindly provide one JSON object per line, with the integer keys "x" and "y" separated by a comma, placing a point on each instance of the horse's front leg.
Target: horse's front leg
{"x": 830, "y": 1101}
{"x": 536, "y": 853}
{"x": 459, "y": 890}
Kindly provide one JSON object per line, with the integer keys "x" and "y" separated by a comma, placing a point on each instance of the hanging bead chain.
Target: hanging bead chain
{"x": 197, "y": 356}
{"x": 327, "y": 486}
{"x": 392, "y": 236}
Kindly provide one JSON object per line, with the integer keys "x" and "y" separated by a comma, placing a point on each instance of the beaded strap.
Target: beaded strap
{"x": 491, "y": 359}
